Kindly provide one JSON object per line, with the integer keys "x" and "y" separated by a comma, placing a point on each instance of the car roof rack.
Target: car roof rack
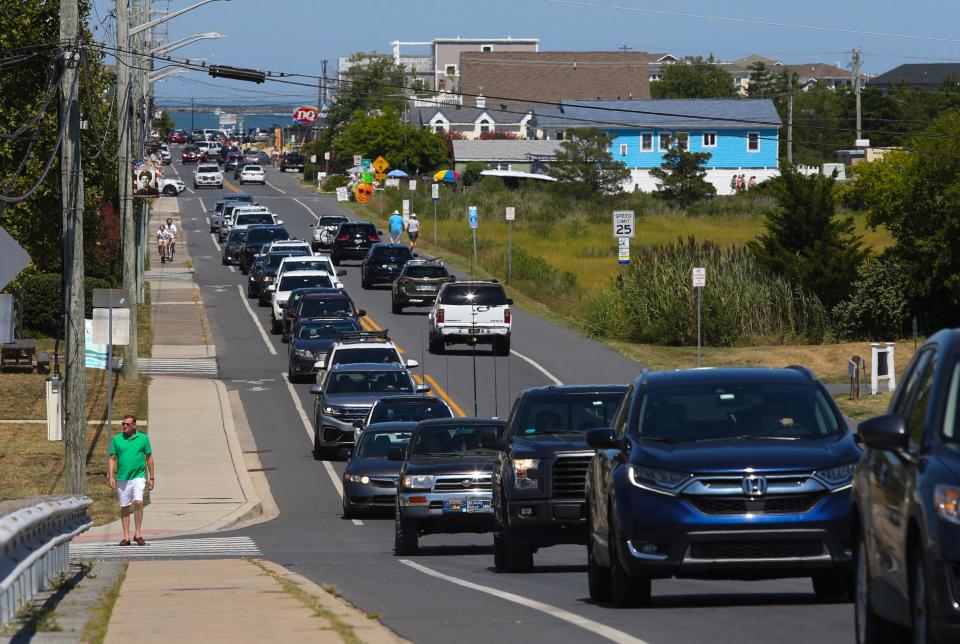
{"x": 364, "y": 336}
{"x": 807, "y": 371}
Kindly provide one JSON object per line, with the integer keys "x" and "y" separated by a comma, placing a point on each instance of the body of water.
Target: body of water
{"x": 205, "y": 120}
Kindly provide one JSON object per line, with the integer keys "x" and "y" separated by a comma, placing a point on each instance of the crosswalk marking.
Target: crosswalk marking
{"x": 191, "y": 366}
{"x": 170, "y": 548}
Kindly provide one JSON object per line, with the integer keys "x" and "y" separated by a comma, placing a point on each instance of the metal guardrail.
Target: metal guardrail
{"x": 35, "y": 536}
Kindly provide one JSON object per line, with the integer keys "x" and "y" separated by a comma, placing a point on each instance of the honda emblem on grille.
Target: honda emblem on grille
{"x": 754, "y": 485}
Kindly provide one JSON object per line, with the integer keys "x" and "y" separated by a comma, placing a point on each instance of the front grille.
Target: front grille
{"x": 461, "y": 484}
{"x": 379, "y": 499}
{"x": 349, "y": 413}
{"x": 388, "y": 482}
{"x": 570, "y": 477}
{"x": 756, "y": 549}
{"x": 780, "y": 504}
{"x": 334, "y": 435}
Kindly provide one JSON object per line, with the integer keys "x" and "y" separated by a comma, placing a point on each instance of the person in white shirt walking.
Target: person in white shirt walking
{"x": 413, "y": 230}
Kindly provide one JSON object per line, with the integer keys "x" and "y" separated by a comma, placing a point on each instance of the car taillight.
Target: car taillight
{"x": 291, "y": 314}
{"x": 374, "y": 238}
{"x": 343, "y": 237}
{"x": 401, "y": 281}
{"x": 440, "y": 316}
{"x": 506, "y": 316}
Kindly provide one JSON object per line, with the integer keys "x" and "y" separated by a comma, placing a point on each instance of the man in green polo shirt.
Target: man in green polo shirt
{"x": 130, "y": 459}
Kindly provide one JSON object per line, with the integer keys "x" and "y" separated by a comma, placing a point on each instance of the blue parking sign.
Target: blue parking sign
{"x": 474, "y": 217}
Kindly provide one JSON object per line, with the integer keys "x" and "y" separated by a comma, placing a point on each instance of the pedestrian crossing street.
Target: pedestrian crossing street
{"x": 170, "y": 549}
{"x": 181, "y": 366}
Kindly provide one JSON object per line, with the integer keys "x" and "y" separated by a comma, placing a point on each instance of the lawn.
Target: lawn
{"x": 864, "y": 407}
{"x": 23, "y": 396}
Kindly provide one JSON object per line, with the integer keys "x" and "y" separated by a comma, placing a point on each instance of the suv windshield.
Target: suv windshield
{"x": 318, "y": 308}
{"x": 309, "y": 265}
{"x": 712, "y": 411}
{"x": 364, "y": 382}
{"x": 264, "y": 235}
{"x": 208, "y": 168}
{"x": 450, "y": 440}
{"x": 426, "y": 272}
{"x": 558, "y": 413}
{"x": 353, "y": 355}
{"x": 290, "y": 282}
{"x": 378, "y": 444}
{"x": 274, "y": 259}
{"x": 477, "y": 294}
{"x": 236, "y": 236}
{"x": 324, "y": 329}
{"x": 330, "y": 221}
{"x": 412, "y": 411}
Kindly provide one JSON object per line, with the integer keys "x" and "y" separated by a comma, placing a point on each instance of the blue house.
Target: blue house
{"x": 741, "y": 135}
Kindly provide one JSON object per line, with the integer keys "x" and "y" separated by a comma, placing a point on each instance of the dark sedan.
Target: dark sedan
{"x": 370, "y": 478}
{"x": 313, "y": 338}
{"x": 383, "y": 263}
{"x": 254, "y": 240}
{"x": 231, "y": 248}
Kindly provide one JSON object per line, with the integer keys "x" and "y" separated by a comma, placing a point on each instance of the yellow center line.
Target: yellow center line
{"x": 230, "y": 186}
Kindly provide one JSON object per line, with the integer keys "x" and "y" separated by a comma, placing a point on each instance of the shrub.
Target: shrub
{"x": 471, "y": 173}
{"x": 41, "y": 302}
{"x": 877, "y": 306}
{"x": 534, "y": 270}
{"x": 335, "y": 181}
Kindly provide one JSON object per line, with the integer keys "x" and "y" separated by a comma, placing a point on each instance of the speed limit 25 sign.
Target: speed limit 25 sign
{"x": 623, "y": 223}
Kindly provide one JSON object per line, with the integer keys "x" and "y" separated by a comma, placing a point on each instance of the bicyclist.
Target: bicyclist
{"x": 163, "y": 238}
{"x": 172, "y": 230}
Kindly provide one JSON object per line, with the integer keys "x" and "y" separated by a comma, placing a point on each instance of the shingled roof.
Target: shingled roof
{"x": 719, "y": 113}
{"x": 526, "y": 77}
{"x": 918, "y": 75}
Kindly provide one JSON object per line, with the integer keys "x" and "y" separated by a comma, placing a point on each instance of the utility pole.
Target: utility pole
{"x": 790, "y": 128}
{"x": 71, "y": 187}
{"x": 192, "y": 99}
{"x": 856, "y": 87}
{"x": 125, "y": 191}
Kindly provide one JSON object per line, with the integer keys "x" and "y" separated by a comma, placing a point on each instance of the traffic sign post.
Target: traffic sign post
{"x": 435, "y": 197}
{"x": 380, "y": 165}
{"x": 623, "y": 250}
{"x": 474, "y": 223}
{"x": 699, "y": 281}
{"x": 111, "y": 299}
{"x": 623, "y": 223}
{"x": 511, "y": 215}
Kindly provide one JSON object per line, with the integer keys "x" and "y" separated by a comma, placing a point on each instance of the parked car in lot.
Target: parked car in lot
{"x": 720, "y": 473}
{"x": 540, "y": 474}
{"x": 321, "y": 302}
{"x": 190, "y": 154}
{"x": 353, "y": 240}
{"x": 345, "y": 394}
{"x": 312, "y": 339}
{"x": 444, "y": 481}
{"x": 325, "y": 230}
{"x": 383, "y": 262}
{"x": 207, "y": 176}
{"x": 370, "y": 478}
{"x": 906, "y": 504}
{"x": 418, "y": 283}
{"x": 288, "y": 281}
{"x": 470, "y": 312}
{"x": 291, "y": 161}
{"x": 252, "y": 174}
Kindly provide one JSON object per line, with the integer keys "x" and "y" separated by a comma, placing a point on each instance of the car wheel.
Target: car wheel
{"x": 436, "y": 345}
{"x": 501, "y": 346}
{"x": 626, "y": 590}
{"x": 223, "y": 260}
{"x": 833, "y": 584}
{"x": 262, "y": 302}
{"x": 919, "y": 601}
{"x": 499, "y": 552}
{"x": 868, "y": 626}
{"x": 317, "y": 449}
{"x": 348, "y": 512}
{"x": 170, "y": 191}
{"x": 250, "y": 292}
{"x": 274, "y": 326}
{"x": 598, "y": 577}
{"x": 396, "y": 308}
{"x": 519, "y": 556}
{"x": 406, "y": 536}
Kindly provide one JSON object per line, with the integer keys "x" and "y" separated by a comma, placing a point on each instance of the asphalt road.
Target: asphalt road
{"x": 451, "y": 592}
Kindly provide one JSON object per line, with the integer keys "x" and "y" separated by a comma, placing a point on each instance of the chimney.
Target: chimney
{"x": 481, "y": 100}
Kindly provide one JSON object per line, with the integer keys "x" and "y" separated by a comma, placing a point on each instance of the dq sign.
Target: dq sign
{"x": 305, "y": 114}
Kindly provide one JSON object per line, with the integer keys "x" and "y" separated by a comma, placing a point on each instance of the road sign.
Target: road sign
{"x": 380, "y": 164}
{"x": 406, "y": 208}
{"x": 357, "y": 159}
{"x": 474, "y": 218}
{"x": 435, "y": 191}
{"x": 326, "y": 156}
{"x": 623, "y": 250}
{"x": 110, "y": 297}
{"x": 342, "y": 194}
{"x": 699, "y": 277}
{"x": 305, "y": 114}
{"x": 379, "y": 176}
{"x": 623, "y": 223}
{"x": 365, "y": 165}
{"x": 412, "y": 185}
{"x": 119, "y": 325}
{"x": 511, "y": 213}
{"x": 13, "y": 258}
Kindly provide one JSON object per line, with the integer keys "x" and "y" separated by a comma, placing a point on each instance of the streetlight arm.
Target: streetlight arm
{"x": 159, "y": 21}
{"x": 183, "y": 42}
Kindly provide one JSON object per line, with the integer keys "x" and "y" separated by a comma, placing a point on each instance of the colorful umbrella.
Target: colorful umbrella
{"x": 446, "y": 175}
{"x": 397, "y": 173}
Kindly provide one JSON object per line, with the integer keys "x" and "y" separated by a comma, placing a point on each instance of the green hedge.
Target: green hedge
{"x": 41, "y": 300}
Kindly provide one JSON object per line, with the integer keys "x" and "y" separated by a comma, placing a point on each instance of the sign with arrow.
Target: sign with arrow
{"x": 13, "y": 258}
{"x": 380, "y": 165}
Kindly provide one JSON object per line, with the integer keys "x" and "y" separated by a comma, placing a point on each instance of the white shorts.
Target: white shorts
{"x": 131, "y": 491}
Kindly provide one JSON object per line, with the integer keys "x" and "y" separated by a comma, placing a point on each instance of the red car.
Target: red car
{"x": 190, "y": 154}
{"x": 176, "y": 137}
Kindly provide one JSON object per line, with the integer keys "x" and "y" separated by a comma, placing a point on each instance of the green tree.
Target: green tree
{"x": 405, "y": 146}
{"x": 805, "y": 240}
{"x": 165, "y": 124}
{"x": 762, "y": 80}
{"x": 682, "y": 177}
{"x": 585, "y": 166}
{"x": 694, "y": 77}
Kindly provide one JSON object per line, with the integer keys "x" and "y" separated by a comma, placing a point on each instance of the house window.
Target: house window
{"x": 709, "y": 139}
{"x": 623, "y": 149}
{"x": 646, "y": 141}
{"x": 503, "y": 166}
{"x": 451, "y": 71}
{"x": 655, "y": 76}
{"x": 438, "y": 128}
{"x": 485, "y": 126}
{"x": 486, "y": 47}
{"x": 682, "y": 140}
{"x": 559, "y": 135}
{"x": 664, "y": 141}
{"x": 753, "y": 141}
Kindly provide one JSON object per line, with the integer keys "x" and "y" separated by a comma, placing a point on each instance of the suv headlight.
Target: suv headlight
{"x": 840, "y": 476}
{"x": 946, "y": 498}
{"x": 663, "y": 481}
{"x": 306, "y": 353}
{"x": 525, "y": 472}
{"x": 332, "y": 411}
{"x": 418, "y": 482}
{"x": 363, "y": 479}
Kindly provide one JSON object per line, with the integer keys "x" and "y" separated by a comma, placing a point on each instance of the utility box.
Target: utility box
{"x": 54, "y": 409}
{"x": 7, "y": 318}
{"x": 882, "y": 367}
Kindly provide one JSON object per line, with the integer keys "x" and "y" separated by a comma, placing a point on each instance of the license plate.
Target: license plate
{"x": 478, "y": 331}
{"x": 466, "y": 506}
{"x": 454, "y": 505}
{"x": 424, "y": 288}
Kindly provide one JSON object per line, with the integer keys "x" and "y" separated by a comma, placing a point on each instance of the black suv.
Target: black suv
{"x": 253, "y": 241}
{"x": 264, "y": 272}
{"x": 383, "y": 263}
{"x": 541, "y": 469}
{"x": 291, "y": 160}
{"x": 418, "y": 283}
{"x": 906, "y": 504}
{"x": 720, "y": 474}
{"x": 353, "y": 240}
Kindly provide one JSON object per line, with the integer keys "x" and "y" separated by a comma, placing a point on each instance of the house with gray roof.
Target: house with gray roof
{"x": 918, "y": 76}
{"x": 474, "y": 121}
{"x": 740, "y": 135}
{"x": 517, "y": 155}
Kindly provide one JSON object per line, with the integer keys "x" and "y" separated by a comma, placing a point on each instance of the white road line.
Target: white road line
{"x": 215, "y": 243}
{"x": 308, "y": 427}
{"x": 233, "y": 269}
{"x": 256, "y": 321}
{"x": 203, "y": 208}
{"x": 539, "y": 367}
{"x": 307, "y": 208}
{"x": 597, "y": 628}
{"x": 274, "y": 187}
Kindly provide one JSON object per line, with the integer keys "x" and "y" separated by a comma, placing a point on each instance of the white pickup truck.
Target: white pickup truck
{"x": 471, "y": 312}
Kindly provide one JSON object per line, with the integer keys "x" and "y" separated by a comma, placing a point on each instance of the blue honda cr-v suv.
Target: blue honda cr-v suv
{"x": 720, "y": 474}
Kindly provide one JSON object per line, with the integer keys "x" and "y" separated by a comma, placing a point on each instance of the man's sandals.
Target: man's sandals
{"x": 138, "y": 540}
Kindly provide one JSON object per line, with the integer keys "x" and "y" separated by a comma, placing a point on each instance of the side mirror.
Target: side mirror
{"x": 315, "y": 390}
{"x": 603, "y": 438}
{"x": 396, "y": 453}
{"x": 452, "y": 278}
{"x": 380, "y": 232}
{"x": 490, "y": 439}
{"x": 509, "y": 301}
{"x": 361, "y": 313}
{"x": 279, "y": 222}
{"x": 345, "y": 453}
{"x": 311, "y": 225}
{"x": 422, "y": 389}
{"x": 271, "y": 288}
{"x": 341, "y": 273}
{"x": 412, "y": 364}
{"x": 887, "y": 432}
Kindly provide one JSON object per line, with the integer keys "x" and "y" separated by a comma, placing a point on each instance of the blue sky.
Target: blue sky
{"x": 295, "y": 35}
